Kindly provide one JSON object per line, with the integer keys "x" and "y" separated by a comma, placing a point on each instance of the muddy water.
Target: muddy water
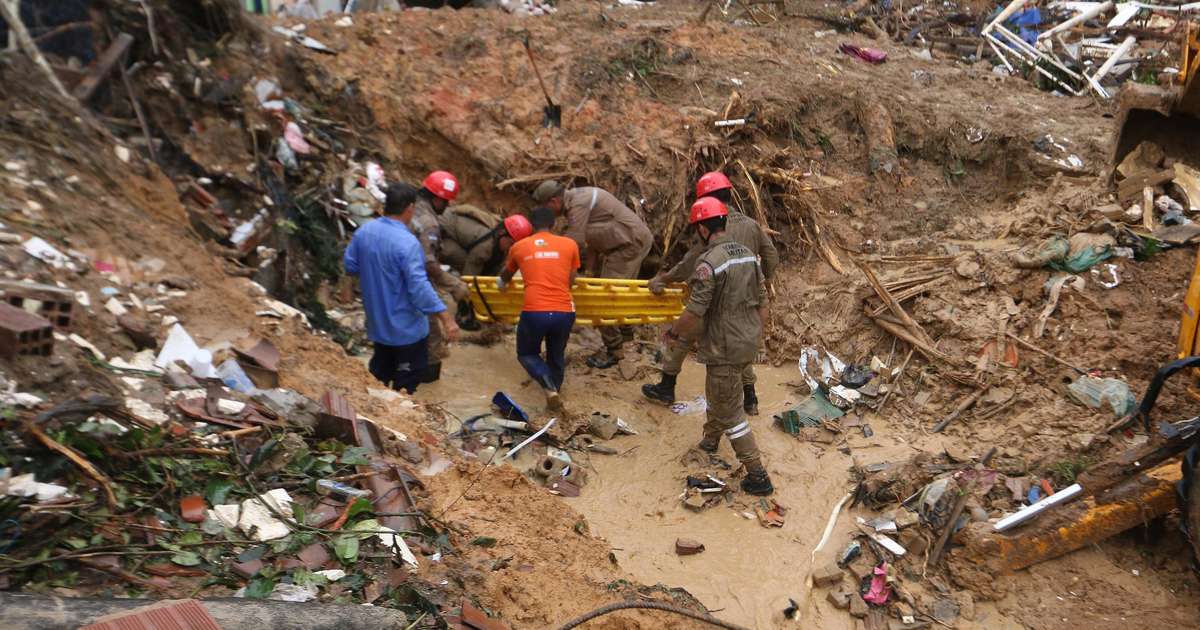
{"x": 747, "y": 572}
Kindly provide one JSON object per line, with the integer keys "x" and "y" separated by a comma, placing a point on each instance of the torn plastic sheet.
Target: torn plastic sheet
{"x": 829, "y": 365}
{"x": 392, "y": 540}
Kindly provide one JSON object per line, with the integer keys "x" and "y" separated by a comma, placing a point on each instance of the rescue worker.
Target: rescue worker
{"x": 725, "y": 312}
{"x": 397, "y": 295}
{"x": 548, "y": 265}
{"x": 475, "y": 242}
{"x": 436, "y": 192}
{"x": 743, "y": 230}
{"x": 613, "y": 241}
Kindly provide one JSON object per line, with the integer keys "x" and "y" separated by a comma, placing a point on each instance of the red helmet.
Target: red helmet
{"x": 707, "y": 208}
{"x": 710, "y": 182}
{"x": 518, "y": 226}
{"x": 442, "y": 184}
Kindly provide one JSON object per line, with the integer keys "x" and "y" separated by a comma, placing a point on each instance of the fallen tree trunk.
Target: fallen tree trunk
{"x": 31, "y": 612}
{"x": 1073, "y": 526}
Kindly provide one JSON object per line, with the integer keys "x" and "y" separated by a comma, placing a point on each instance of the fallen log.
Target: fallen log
{"x": 1073, "y": 526}
{"x": 31, "y": 612}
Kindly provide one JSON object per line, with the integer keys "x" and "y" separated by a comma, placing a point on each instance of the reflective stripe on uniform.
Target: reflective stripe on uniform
{"x": 735, "y": 261}
{"x": 739, "y": 430}
{"x": 595, "y": 195}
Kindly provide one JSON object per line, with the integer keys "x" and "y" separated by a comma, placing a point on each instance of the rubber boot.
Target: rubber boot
{"x": 662, "y": 392}
{"x": 750, "y": 400}
{"x": 757, "y": 481}
{"x": 433, "y": 373}
{"x": 709, "y": 444}
{"x": 603, "y": 361}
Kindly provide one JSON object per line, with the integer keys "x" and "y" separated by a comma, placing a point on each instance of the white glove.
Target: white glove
{"x": 501, "y": 284}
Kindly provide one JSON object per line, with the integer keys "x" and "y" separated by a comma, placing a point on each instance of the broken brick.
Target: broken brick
{"x": 472, "y": 617}
{"x": 187, "y": 613}
{"x": 312, "y": 557}
{"x": 839, "y": 599}
{"x": 827, "y": 575}
{"x": 192, "y": 508}
{"x": 688, "y": 547}
{"x": 49, "y": 301}
{"x": 858, "y": 606}
{"x": 248, "y": 569}
{"x": 23, "y": 333}
{"x": 166, "y": 569}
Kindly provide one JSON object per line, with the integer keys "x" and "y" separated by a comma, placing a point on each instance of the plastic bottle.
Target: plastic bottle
{"x": 201, "y": 364}
{"x": 340, "y": 490}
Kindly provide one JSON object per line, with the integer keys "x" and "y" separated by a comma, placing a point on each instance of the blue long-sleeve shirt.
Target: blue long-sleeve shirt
{"x": 397, "y": 295}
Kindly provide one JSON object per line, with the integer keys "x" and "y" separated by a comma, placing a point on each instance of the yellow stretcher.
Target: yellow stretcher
{"x": 598, "y": 301}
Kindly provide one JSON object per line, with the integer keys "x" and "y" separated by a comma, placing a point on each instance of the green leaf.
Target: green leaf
{"x": 253, "y": 553}
{"x": 260, "y": 587}
{"x": 367, "y": 528}
{"x": 186, "y": 558}
{"x": 356, "y": 456}
{"x": 484, "y": 541}
{"x": 359, "y": 506}
{"x": 299, "y": 513}
{"x": 191, "y": 538}
{"x": 304, "y": 577}
{"x": 217, "y": 491}
{"x": 76, "y": 543}
{"x": 346, "y": 548}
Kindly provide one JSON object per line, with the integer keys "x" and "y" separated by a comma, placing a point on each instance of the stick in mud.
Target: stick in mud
{"x": 959, "y": 505}
{"x": 960, "y": 409}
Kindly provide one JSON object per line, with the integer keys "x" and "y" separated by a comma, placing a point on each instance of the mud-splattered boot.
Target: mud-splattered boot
{"x": 554, "y": 401}
{"x": 662, "y": 392}
{"x": 757, "y": 481}
{"x": 750, "y": 400}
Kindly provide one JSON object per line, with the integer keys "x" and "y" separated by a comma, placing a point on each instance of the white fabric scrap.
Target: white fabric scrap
{"x": 392, "y": 540}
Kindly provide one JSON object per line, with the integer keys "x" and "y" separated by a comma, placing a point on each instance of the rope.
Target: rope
{"x": 604, "y": 610}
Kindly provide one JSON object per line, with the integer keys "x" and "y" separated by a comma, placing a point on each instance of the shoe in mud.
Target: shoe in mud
{"x": 662, "y": 393}
{"x": 554, "y": 402}
{"x": 602, "y": 361}
{"x": 757, "y": 483}
{"x": 750, "y": 400}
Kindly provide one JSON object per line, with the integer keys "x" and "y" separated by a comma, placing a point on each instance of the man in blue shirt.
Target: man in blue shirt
{"x": 397, "y": 295}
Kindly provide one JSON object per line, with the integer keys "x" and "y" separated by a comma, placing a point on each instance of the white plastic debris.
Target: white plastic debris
{"x": 115, "y": 307}
{"x": 293, "y": 593}
{"x": 392, "y": 540}
{"x": 146, "y": 411}
{"x": 85, "y": 344}
{"x": 690, "y": 407}
{"x": 179, "y": 346}
{"x": 45, "y": 252}
{"x": 122, "y": 153}
{"x": 230, "y": 407}
{"x": 259, "y": 523}
{"x": 344, "y": 22}
{"x": 332, "y": 575}
{"x": 27, "y": 486}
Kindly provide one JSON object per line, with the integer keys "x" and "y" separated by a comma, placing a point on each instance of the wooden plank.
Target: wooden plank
{"x": 1132, "y": 187}
{"x": 103, "y": 67}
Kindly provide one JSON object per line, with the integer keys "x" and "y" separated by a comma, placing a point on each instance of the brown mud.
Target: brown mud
{"x": 640, "y": 90}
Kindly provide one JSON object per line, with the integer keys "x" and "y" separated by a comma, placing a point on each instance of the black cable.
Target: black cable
{"x": 604, "y": 610}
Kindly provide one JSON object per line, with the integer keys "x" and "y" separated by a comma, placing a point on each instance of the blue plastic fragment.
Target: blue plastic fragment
{"x": 508, "y": 408}
{"x": 1035, "y": 493}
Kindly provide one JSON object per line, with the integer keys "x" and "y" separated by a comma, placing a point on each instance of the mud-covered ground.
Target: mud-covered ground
{"x": 640, "y": 89}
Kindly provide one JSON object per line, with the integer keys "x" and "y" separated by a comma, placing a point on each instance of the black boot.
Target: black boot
{"x": 750, "y": 400}
{"x": 758, "y": 483}
{"x": 602, "y": 361}
{"x": 662, "y": 392}
{"x": 432, "y": 373}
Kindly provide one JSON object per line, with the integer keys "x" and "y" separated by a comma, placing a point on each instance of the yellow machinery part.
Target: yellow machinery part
{"x": 598, "y": 301}
{"x": 1076, "y": 525}
{"x": 1189, "y": 327}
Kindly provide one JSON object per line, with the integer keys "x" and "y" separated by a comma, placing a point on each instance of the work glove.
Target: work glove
{"x": 657, "y": 285}
{"x": 501, "y": 284}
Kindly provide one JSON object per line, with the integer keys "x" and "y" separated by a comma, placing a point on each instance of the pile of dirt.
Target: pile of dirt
{"x": 929, "y": 174}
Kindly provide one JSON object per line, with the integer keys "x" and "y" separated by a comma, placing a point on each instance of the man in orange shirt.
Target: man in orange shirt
{"x": 548, "y": 265}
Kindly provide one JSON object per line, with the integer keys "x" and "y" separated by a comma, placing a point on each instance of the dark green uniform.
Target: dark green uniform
{"x": 744, "y": 231}
{"x": 468, "y": 243}
{"x": 727, "y": 288}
